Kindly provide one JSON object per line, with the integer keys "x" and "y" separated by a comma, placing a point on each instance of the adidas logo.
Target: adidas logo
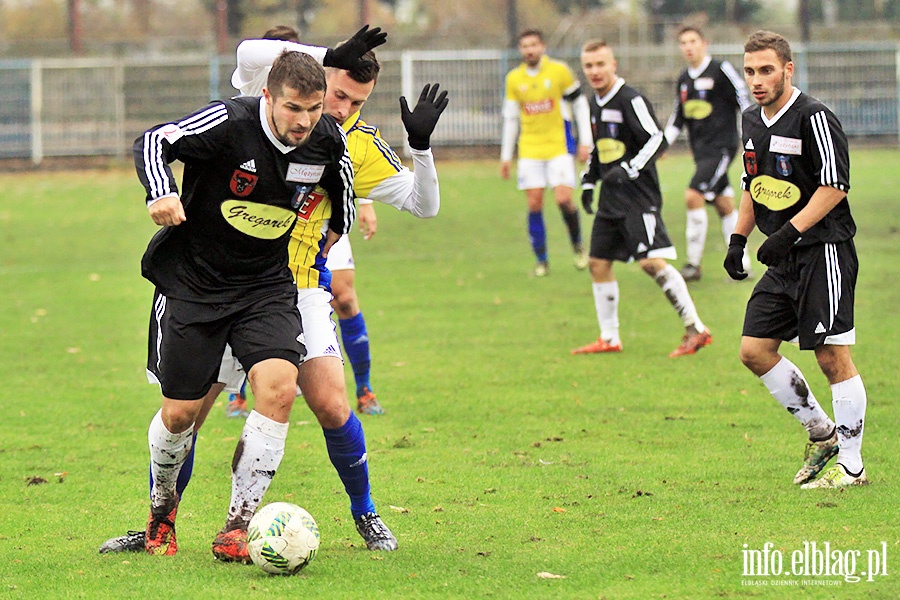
{"x": 361, "y": 461}
{"x": 642, "y": 247}
{"x": 820, "y": 328}
{"x": 331, "y": 350}
{"x": 749, "y": 145}
{"x": 250, "y": 165}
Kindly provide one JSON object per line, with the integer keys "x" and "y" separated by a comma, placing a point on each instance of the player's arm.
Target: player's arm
{"x": 510, "y": 131}
{"x": 589, "y": 178}
{"x": 581, "y": 111}
{"x": 197, "y": 136}
{"x": 675, "y": 123}
{"x": 255, "y": 55}
{"x": 643, "y": 124}
{"x": 741, "y": 97}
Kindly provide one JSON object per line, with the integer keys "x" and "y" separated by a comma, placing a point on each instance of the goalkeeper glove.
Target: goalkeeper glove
{"x": 734, "y": 258}
{"x": 778, "y": 245}
{"x": 349, "y": 55}
{"x": 421, "y": 121}
{"x": 587, "y": 197}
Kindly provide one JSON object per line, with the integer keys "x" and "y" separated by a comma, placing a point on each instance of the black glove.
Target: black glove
{"x": 777, "y": 245}
{"x": 349, "y": 55}
{"x": 734, "y": 258}
{"x": 587, "y": 197}
{"x": 420, "y": 122}
{"x": 616, "y": 174}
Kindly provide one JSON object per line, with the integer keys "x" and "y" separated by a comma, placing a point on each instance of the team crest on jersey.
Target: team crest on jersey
{"x": 783, "y": 165}
{"x": 300, "y": 195}
{"x": 242, "y": 183}
{"x": 312, "y": 200}
{"x": 612, "y": 129}
{"x": 750, "y": 163}
{"x": 683, "y": 92}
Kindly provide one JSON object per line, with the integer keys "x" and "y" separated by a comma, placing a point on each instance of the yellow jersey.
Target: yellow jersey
{"x": 542, "y": 133}
{"x": 374, "y": 161}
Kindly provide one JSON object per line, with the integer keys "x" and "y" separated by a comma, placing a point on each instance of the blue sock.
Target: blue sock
{"x": 538, "y": 235}
{"x": 356, "y": 345}
{"x": 184, "y": 475}
{"x": 347, "y": 451}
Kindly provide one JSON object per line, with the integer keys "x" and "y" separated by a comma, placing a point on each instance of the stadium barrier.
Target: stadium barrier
{"x": 96, "y": 107}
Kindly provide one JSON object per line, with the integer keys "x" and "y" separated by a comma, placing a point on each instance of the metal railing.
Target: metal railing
{"x": 88, "y": 107}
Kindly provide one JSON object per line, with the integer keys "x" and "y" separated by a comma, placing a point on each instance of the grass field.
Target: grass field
{"x": 501, "y": 457}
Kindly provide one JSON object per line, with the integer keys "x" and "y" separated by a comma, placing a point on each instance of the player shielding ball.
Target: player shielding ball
{"x": 795, "y": 183}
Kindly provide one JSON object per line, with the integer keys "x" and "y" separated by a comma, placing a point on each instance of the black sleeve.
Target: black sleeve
{"x": 198, "y": 136}
{"x": 338, "y": 182}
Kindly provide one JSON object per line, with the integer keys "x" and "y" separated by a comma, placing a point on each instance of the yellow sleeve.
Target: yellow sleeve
{"x": 373, "y": 159}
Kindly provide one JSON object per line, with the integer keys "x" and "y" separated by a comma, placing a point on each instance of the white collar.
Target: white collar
{"x": 612, "y": 92}
{"x": 265, "y": 125}
{"x": 695, "y": 72}
{"x": 769, "y": 122}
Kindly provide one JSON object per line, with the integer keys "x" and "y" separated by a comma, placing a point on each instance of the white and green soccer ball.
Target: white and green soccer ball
{"x": 282, "y": 538}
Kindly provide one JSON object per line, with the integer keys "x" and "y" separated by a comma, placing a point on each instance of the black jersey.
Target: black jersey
{"x": 242, "y": 189}
{"x": 626, "y": 133}
{"x": 707, "y": 103}
{"x": 787, "y": 158}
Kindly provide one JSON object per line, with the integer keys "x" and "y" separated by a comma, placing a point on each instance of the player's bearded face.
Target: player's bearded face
{"x": 766, "y": 77}
{"x": 291, "y": 116}
{"x": 532, "y": 49}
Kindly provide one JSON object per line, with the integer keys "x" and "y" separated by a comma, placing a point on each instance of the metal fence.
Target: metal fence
{"x": 98, "y": 106}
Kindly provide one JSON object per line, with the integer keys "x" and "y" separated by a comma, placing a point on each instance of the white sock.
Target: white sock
{"x": 258, "y": 454}
{"x": 695, "y": 233}
{"x": 606, "y": 303}
{"x": 849, "y": 401}
{"x": 167, "y": 453}
{"x": 787, "y": 385}
{"x": 676, "y": 290}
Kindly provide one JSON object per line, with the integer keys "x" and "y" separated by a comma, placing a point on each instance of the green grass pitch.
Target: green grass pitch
{"x": 501, "y": 458}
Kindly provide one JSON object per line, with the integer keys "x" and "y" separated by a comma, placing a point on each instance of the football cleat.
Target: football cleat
{"x": 231, "y": 546}
{"x": 600, "y": 345}
{"x": 542, "y": 269}
{"x": 691, "y": 342}
{"x": 133, "y": 541}
{"x": 691, "y": 272}
{"x": 836, "y": 478}
{"x": 368, "y": 404}
{"x": 375, "y": 532}
{"x": 160, "y": 535}
{"x": 581, "y": 259}
{"x": 237, "y": 407}
{"x": 815, "y": 458}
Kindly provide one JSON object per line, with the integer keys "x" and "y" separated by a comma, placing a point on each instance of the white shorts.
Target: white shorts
{"x": 340, "y": 257}
{"x": 319, "y": 336}
{"x": 535, "y": 174}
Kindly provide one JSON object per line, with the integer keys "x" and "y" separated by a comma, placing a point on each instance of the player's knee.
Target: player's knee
{"x": 331, "y": 414}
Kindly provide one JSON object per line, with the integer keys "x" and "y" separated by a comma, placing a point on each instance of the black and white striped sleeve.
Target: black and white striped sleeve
{"x": 339, "y": 185}
{"x": 741, "y": 98}
{"x": 828, "y": 144}
{"x": 646, "y": 129}
{"x": 196, "y": 136}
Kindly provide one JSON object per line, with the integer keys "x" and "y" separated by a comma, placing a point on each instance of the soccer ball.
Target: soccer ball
{"x": 282, "y": 538}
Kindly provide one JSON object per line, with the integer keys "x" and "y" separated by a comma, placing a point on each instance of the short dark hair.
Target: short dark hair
{"x": 688, "y": 28}
{"x": 369, "y": 71}
{"x": 531, "y": 32}
{"x": 298, "y": 71}
{"x": 594, "y": 45}
{"x": 767, "y": 40}
{"x": 282, "y": 32}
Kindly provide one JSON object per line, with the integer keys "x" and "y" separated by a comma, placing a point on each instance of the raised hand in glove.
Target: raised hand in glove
{"x": 734, "y": 258}
{"x": 587, "y": 197}
{"x": 420, "y": 122}
{"x": 778, "y": 245}
{"x": 616, "y": 174}
{"x": 349, "y": 55}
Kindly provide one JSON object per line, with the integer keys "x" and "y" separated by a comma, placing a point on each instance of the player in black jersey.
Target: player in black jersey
{"x": 709, "y": 95}
{"x": 795, "y": 183}
{"x": 628, "y": 224}
{"x": 220, "y": 267}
